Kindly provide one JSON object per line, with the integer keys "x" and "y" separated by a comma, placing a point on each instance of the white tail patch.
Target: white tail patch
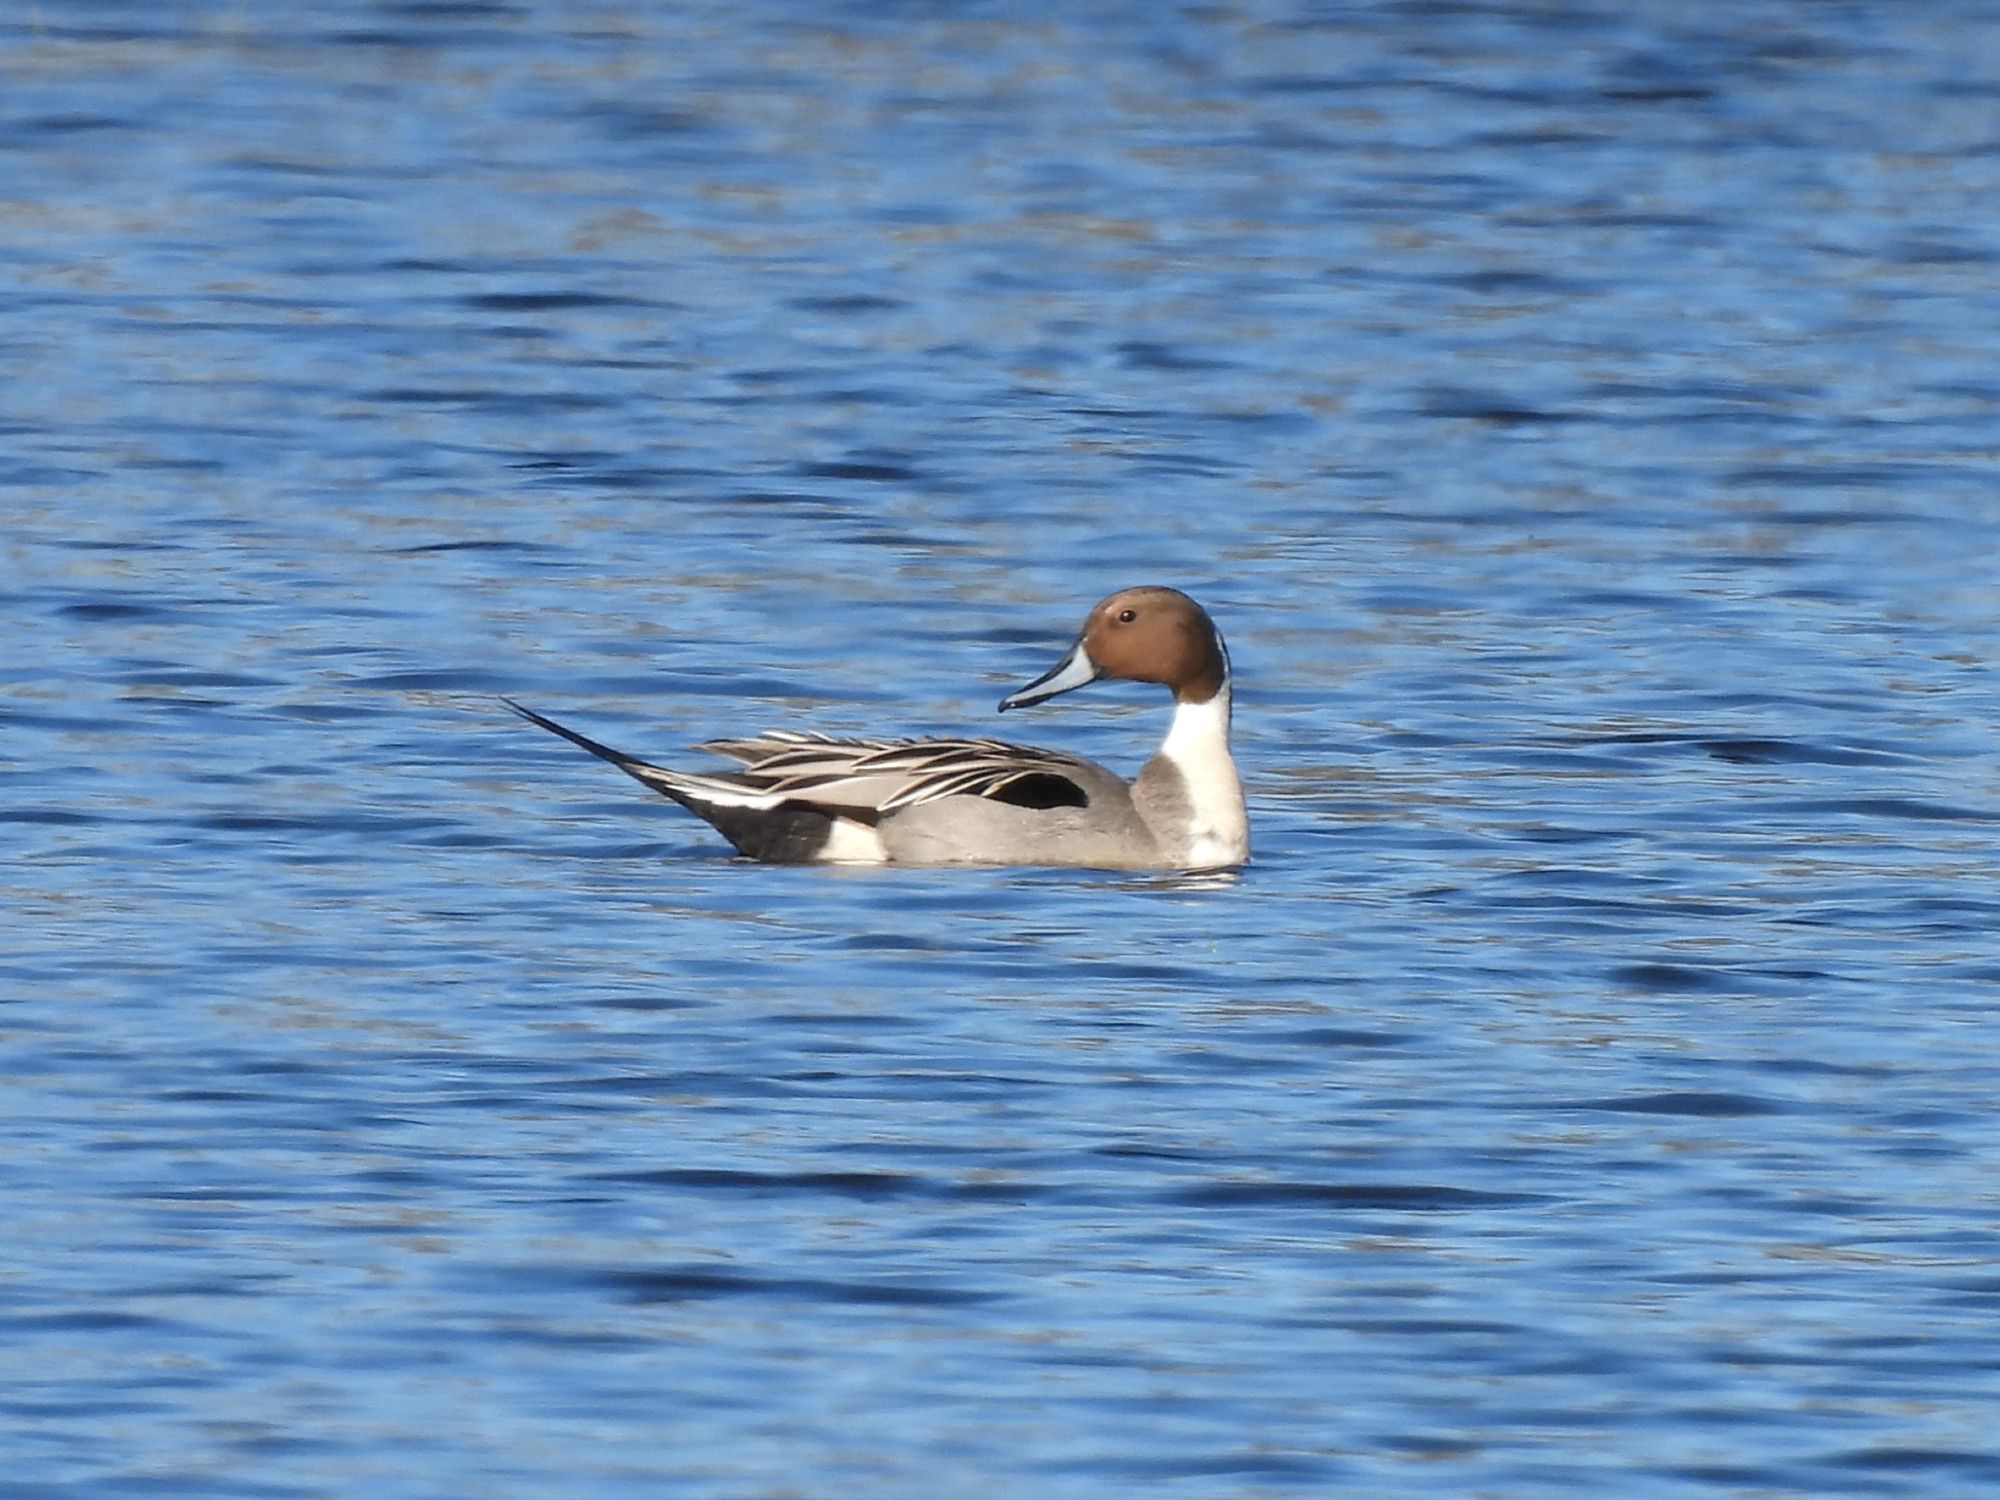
{"x": 851, "y": 843}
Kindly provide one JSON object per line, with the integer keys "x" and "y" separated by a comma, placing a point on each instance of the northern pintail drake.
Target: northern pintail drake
{"x": 805, "y": 798}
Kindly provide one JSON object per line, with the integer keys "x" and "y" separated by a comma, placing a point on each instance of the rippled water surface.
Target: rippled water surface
{"x": 1582, "y": 420}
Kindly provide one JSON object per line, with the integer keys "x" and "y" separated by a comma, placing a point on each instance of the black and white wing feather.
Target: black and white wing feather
{"x": 864, "y": 780}
{"x": 888, "y": 775}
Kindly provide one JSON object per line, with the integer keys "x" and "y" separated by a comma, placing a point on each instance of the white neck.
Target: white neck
{"x": 1197, "y": 743}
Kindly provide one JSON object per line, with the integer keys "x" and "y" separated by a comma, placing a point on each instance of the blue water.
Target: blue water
{"x": 1581, "y": 419}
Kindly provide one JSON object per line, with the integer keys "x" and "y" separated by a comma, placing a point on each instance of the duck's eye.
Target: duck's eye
{"x": 1127, "y": 616}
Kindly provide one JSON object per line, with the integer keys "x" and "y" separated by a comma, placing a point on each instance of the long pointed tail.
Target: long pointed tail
{"x": 758, "y": 822}
{"x": 631, "y": 765}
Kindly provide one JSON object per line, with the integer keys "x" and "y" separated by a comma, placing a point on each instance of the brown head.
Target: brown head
{"x": 1148, "y": 634}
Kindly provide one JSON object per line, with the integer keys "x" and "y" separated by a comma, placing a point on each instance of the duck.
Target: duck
{"x": 801, "y": 797}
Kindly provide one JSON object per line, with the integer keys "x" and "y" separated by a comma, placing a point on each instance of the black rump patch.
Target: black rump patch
{"x": 1042, "y": 791}
{"x": 781, "y": 835}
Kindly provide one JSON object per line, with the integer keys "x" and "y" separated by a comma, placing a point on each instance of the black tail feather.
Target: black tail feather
{"x": 789, "y": 835}
{"x": 631, "y": 765}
